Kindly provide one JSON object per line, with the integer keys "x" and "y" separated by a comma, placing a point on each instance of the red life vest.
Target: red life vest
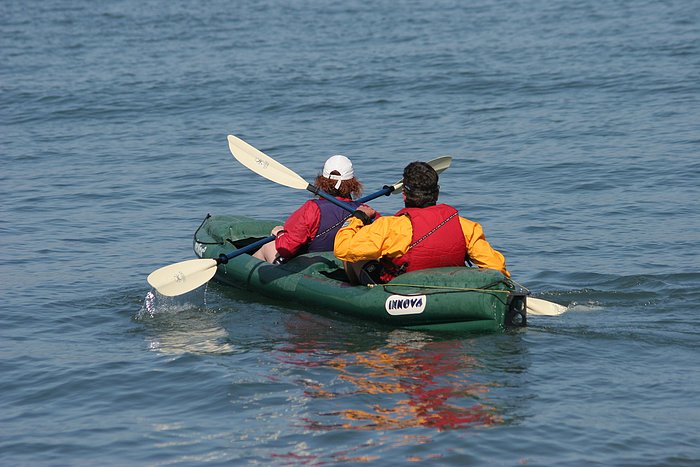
{"x": 437, "y": 241}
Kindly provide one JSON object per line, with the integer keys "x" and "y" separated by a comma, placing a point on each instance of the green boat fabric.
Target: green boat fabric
{"x": 451, "y": 299}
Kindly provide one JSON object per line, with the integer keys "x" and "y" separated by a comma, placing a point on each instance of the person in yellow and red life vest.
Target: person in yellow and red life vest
{"x": 313, "y": 226}
{"x": 422, "y": 235}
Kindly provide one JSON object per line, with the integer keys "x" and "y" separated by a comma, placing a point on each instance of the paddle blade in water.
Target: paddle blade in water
{"x": 537, "y": 306}
{"x": 182, "y": 277}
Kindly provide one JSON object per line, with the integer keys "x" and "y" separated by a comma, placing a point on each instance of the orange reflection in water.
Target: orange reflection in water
{"x": 414, "y": 384}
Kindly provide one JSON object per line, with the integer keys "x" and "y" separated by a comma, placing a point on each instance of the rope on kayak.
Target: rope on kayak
{"x": 525, "y": 289}
{"x": 443, "y": 288}
{"x": 196, "y": 233}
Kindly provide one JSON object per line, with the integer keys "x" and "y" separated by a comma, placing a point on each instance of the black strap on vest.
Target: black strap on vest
{"x": 330, "y": 228}
{"x": 431, "y": 232}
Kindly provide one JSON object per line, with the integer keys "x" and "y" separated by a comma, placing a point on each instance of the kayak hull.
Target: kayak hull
{"x": 443, "y": 299}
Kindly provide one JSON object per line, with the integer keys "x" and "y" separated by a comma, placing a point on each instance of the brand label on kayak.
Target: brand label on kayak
{"x": 405, "y": 305}
{"x": 199, "y": 249}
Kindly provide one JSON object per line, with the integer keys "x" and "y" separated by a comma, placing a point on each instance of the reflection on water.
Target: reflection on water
{"x": 191, "y": 339}
{"x": 179, "y": 327}
{"x": 413, "y": 381}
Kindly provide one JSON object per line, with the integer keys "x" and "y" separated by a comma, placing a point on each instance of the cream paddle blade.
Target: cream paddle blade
{"x": 539, "y": 307}
{"x": 264, "y": 165}
{"x": 180, "y": 278}
{"x": 441, "y": 163}
{"x": 272, "y": 170}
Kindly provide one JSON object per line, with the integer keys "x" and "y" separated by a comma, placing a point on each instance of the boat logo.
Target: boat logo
{"x": 397, "y": 305}
{"x": 199, "y": 249}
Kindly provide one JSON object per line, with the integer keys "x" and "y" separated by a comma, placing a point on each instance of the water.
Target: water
{"x": 574, "y": 132}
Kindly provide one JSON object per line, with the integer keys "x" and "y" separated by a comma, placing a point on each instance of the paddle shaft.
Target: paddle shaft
{"x": 317, "y": 191}
{"x": 386, "y": 191}
{"x": 223, "y": 259}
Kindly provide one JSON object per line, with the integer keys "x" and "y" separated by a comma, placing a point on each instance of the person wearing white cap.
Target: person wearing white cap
{"x": 313, "y": 226}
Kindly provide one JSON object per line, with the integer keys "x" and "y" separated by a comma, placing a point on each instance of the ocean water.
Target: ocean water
{"x": 574, "y": 128}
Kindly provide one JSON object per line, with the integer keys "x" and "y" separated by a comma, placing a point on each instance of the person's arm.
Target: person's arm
{"x": 299, "y": 229}
{"x": 387, "y": 236}
{"x": 480, "y": 251}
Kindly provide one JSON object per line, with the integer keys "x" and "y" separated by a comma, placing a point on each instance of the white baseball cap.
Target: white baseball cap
{"x": 342, "y": 165}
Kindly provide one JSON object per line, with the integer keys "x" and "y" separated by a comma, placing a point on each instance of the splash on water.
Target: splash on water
{"x": 149, "y": 304}
{"x": 177, "y": 325}
{"x": 155, "y": 304}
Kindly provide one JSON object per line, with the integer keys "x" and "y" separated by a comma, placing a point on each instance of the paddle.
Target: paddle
{"x": 539, "y": 307}
{"x": 179, "y": 278}
{"x": 267, "y": 167}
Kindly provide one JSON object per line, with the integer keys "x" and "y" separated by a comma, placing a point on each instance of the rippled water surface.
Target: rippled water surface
{"x": 574, "y": 133}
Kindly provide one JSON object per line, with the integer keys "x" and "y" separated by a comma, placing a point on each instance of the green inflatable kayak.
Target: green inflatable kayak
{"x": 444, "y": 299}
